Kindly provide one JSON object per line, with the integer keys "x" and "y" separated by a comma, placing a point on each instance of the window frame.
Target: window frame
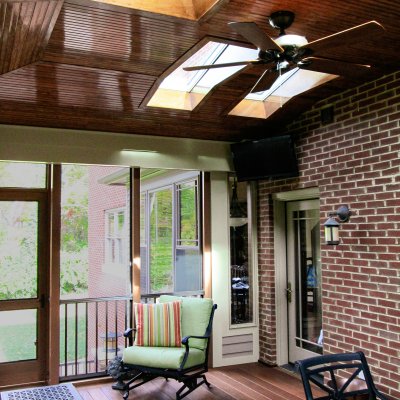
{"x": 172, "y": 181}
{"x": 252, "y": 246}
{"x": 124, "y": 238}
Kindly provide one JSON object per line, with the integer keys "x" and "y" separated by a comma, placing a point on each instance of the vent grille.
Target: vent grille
{"x": 239, "y": 345}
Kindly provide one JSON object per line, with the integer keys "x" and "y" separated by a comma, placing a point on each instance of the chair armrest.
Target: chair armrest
{"x": 129, "y": 334}
{"x": 185, "y": 340}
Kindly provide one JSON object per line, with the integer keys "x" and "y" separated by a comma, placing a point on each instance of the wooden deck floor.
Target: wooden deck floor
{"x": 242, "y": 382}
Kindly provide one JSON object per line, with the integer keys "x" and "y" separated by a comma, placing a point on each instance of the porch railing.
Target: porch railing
{"x": 91, "y": 332}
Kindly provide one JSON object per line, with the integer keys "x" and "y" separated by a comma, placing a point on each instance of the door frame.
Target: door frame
{"x": 279, "y": 223}
{"x": 22, "y": 372}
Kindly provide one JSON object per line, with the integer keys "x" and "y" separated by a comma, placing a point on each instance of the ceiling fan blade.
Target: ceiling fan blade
{"x": 347, "y": 37}
{"x": 265, "y": 81}
{"x": 334, "y": 67}
{"x": 231, "y": 64}
{"x": 254, "y": 34}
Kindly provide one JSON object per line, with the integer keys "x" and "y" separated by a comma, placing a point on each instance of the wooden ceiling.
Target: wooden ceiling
{"x": 85, "y": 65}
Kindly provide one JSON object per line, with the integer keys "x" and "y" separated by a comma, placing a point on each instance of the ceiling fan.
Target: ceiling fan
{"x": 289, "y": 51}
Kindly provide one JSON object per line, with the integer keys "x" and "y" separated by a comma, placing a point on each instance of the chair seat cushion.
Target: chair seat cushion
{"x": 162, "y": 357}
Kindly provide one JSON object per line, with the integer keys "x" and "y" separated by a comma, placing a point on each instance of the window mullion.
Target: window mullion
{"x": 175, "y": 221}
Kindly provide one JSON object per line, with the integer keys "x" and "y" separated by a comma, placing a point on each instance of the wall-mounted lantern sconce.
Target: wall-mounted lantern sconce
{"x": 238, "y": 216}
{"x": 332, "y": 226}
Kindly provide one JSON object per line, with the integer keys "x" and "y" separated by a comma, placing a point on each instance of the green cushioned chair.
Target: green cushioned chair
{"x": 186, "y": 363}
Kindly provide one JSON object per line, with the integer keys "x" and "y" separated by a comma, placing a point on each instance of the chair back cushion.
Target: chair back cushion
{"x": 195, "y": 317}
{"x": 158, "y": 325}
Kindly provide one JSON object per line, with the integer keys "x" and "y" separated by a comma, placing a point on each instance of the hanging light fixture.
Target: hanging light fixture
{"x": 332, "y": 225}
{"x": 238, "y": 216}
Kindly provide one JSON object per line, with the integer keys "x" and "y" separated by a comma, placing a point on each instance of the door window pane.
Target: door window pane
{"x": 22, "y": 175}
{"x": 308, "y": 281}
{"x": 18, "y": 249}
{"x": 161, "y": 250}
{"x": 18, "y": 335}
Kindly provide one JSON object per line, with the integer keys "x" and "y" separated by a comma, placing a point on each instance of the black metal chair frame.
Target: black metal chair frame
{"x": 312, "y": 369}
{"x": 187, "y": 376}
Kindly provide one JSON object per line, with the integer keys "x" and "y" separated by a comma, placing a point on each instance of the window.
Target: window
{"x": 116, "y": 238}
{"x": 188, "y": 260}
{"x": 169, "y": 242}
{"x": 160, "y": 262}
{"x": 188, "y": 219}
{"x": 22, "y": 175}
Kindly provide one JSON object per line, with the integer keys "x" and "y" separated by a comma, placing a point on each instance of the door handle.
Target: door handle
{"x": 289, "y": 292}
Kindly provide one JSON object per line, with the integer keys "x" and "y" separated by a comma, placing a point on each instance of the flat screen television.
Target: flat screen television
{"x": 273, "y": 157}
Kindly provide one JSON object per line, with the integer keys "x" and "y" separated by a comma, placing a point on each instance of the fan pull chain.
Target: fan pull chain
{"x": 280, "y": 74}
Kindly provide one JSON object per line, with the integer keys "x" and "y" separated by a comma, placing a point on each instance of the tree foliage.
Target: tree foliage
{"x": 18, "y": 249}
{"x": 74, "y": 230}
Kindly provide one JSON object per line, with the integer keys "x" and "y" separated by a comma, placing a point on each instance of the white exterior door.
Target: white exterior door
{"x": 304, "y": 279}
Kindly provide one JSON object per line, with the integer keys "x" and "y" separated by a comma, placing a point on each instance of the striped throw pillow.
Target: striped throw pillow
{"x": 158, "y": 324}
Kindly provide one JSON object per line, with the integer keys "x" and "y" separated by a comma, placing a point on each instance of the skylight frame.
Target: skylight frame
{"x": 195, "y": 76}
{"x": 167, "y": 96}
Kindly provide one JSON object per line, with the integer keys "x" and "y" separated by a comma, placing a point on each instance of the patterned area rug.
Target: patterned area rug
{"x": 56, "y": 392}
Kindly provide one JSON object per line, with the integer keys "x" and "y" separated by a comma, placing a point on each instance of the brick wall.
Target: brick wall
{"x": 354, "y": 160}
{"x": 102, "y": 197}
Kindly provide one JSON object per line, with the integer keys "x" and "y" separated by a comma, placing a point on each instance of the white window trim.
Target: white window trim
{"x": 107, "y": 262}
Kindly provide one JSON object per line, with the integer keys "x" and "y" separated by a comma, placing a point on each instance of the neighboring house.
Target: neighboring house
{"x": 108, "y": 235}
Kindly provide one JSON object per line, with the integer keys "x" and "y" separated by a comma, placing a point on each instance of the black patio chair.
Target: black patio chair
{"x": 336, "y": 387}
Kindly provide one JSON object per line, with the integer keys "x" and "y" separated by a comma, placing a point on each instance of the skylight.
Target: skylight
{"x": 288, "y": 85}
{"x": 214, "y": 76}
{"x": 192, "y": 10}
{"x": 185, "y": 90}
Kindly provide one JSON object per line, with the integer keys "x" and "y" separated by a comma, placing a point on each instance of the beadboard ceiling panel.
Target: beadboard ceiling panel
{"x": 82, "y": 64}
{"x": 25, "y": 28}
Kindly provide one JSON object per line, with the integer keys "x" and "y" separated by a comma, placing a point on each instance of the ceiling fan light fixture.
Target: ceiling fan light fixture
{"x": 291, "y": 41}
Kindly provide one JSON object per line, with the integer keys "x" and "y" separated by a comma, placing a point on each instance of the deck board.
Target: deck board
{"x": 253, "y": 381}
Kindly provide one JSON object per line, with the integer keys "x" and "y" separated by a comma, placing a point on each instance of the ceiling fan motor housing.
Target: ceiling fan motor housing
{"x": 281, "y": 20}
